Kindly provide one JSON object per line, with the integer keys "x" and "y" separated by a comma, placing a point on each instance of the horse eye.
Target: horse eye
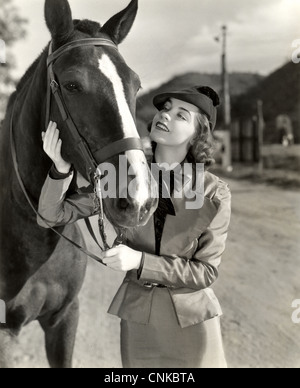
{"x": 72, "y": 87}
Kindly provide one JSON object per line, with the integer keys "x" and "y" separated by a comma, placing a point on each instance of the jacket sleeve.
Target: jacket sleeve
{"x": 58, "y": 209}
{"x": 202, "y": 270}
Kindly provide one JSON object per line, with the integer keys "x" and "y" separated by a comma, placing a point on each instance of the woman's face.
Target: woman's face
{"x": 175, "y": 125}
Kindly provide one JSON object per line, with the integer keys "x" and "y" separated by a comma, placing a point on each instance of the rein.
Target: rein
{"x": 92, "y": 166}
{"x": 20, "y": 181}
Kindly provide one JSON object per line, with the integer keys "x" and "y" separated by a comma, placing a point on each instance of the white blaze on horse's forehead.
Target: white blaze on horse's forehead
{"x": 136, "y": 158}
{"x": 108, "y": 68}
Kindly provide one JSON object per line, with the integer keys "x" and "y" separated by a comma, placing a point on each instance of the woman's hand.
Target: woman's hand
{"x": 123, "y": 258}
{"x": 52, "y": 147}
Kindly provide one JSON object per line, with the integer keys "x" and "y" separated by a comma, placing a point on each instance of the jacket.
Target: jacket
{"x": 192, "y": 245}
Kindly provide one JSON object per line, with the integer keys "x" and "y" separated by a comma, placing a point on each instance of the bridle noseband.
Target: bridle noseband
{"x": 92, "y": 161}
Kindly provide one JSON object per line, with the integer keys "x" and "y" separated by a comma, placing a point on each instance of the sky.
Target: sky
{"x": 171, "y": 37}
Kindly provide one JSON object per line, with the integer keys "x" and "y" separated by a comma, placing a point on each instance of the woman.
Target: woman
{"x": 170, "y": 315}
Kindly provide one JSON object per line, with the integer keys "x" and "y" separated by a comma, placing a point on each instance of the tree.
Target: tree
{"x": 11, "y": 30}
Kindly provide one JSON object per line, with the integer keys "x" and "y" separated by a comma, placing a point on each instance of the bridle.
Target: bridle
{"x": 92, "y": 161}
{"x": 54, "y": 89}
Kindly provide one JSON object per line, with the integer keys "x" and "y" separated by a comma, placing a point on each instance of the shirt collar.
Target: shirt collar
{"x": 181, "y": 180}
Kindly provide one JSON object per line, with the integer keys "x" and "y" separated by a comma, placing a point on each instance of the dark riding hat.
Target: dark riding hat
{"x": 203, "y": 97}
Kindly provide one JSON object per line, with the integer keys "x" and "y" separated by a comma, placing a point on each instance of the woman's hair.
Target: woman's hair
{"x": 203, "y": 144}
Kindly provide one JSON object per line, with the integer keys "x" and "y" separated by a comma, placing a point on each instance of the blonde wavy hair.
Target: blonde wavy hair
{"x": 203, "y": 146}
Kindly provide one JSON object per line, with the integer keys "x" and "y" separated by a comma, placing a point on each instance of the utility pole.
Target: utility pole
{"x": 225, "y": 133}
{"x": 226, "y": 105}
{"x": 260, "y": 127}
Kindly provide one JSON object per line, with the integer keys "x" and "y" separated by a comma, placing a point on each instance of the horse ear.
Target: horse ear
{"x": 59, "y": 21}
{"x": 119, "y": 25}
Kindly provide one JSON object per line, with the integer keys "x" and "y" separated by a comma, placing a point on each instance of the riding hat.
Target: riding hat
{"x": 193, "y": 96}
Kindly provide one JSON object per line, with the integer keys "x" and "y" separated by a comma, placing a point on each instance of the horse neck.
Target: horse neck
{"x": 29, "y": 122}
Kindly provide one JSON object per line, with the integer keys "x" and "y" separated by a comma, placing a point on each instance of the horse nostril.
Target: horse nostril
{"x": 123, "y": 203}
{"x": 151, "y": 204}
{"x": 148, "y": 206}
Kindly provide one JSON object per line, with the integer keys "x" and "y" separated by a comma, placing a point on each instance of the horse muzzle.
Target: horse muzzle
{"x": 131, "y": 201}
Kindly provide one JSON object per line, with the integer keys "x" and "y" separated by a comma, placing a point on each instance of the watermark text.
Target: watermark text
{"x": 154, "y": 378}
{"x": 2, "y": 51}
{"x": 2, "y": 312}
{"x": 181, "y": 181}
{"x": 296, "y": 52}
{"x": 296, "y": 313}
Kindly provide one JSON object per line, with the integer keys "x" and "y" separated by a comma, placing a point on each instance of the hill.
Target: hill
{"x": 239, "y": 84}
{"x": 280, "y": 93}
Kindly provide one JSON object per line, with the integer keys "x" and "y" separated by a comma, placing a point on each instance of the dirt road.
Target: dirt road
{"x": 259, "y": 280}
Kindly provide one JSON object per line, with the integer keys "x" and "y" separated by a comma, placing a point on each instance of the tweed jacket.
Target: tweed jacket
{"x": 192, "y": 245}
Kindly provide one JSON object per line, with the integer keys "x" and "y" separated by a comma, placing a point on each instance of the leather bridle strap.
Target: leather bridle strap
{"x": 79, "y": 43}
{"x": 53, "y": 56}
{"x": 78, "y": 141}
{"x": 118, "y": 147}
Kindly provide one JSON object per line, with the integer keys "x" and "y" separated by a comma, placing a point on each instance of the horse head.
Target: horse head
{"x": 99, "y": 90}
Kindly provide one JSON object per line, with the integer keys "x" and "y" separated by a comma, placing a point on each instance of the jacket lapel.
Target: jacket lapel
{"x": 188, "y": 224}
{"x": 180, "y": 231}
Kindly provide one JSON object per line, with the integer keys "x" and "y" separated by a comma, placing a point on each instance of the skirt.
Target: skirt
{"x": 164, "y": 344}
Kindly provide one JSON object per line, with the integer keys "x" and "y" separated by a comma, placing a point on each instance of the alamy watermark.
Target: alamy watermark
{"x": 2, "y": 312}
{"x": 179, "y": 181}
{"x": 296, "y": 313}
{"x": 2, "y": 51}
{"x": 296, "y": 52}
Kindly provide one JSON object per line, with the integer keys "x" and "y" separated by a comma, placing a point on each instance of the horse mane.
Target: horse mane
{"x": 85, "y": 26}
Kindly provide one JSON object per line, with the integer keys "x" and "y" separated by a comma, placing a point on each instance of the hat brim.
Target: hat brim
{"x": 202, "y": 102}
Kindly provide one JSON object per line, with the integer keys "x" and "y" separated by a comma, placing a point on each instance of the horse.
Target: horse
{"x": 41, "y": 274}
